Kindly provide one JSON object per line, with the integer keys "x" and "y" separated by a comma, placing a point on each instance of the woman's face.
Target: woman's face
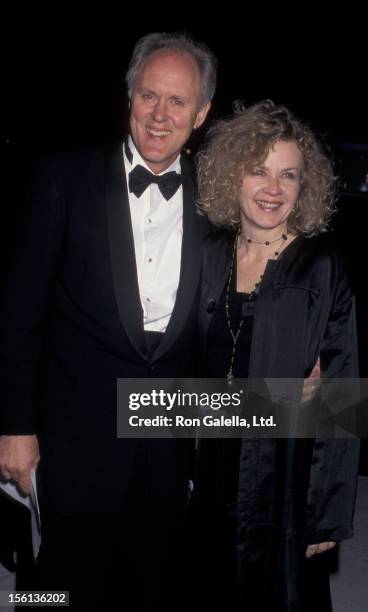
{"x": 270, "y": 190}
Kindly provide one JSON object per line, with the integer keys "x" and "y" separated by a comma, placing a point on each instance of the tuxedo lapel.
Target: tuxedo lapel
{"x": 122, "y": 251}
{"x": 216, "y": 261}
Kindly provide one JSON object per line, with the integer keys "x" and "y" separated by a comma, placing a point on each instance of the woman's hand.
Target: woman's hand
{"x": 316, "y": 549}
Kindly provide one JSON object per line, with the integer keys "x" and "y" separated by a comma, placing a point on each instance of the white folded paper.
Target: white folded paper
{"x": 29, "y": 501}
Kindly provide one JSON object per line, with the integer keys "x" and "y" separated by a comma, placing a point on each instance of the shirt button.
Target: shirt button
{"x": 148, "y": 300}
{"x": 150, "y": 259}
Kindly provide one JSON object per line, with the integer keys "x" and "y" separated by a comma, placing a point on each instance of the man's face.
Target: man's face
{"x": 165, "y": 107}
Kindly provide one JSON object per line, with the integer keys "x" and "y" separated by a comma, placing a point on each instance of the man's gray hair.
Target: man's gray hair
{"x": 178, "y": 41}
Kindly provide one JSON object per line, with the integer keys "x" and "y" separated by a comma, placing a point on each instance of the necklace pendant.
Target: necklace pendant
{"x": 230, "y": 377}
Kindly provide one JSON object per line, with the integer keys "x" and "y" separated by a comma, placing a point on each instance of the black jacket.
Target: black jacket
{"x": 71, "y": 323}
{"x": 292, "y": 492}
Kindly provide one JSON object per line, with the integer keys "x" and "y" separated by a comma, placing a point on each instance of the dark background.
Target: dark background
{"x": 63, "y": 87}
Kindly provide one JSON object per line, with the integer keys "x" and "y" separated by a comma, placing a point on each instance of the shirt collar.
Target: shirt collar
{"x": 138, "y": 160}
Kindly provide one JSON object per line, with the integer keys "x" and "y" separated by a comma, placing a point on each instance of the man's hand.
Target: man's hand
{"x": 316, "y": 549}
{"x": 18, "y": 456}
{"x": 312, "y": 383}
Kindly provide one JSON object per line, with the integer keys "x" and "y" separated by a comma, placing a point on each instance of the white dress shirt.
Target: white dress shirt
{"x": 157, "y": 230}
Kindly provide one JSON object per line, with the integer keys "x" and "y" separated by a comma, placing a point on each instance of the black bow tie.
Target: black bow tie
{"x": 140, "y": 179}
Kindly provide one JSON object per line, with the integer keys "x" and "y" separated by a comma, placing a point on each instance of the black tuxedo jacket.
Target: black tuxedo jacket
{"x": 71, "y": 324}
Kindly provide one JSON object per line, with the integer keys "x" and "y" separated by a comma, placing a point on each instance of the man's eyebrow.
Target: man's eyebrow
{"x": 146, "y": 90}
{"x": 178, "y": 97}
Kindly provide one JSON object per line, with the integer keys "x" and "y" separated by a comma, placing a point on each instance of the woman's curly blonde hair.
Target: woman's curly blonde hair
{"x": 237, "y": 145}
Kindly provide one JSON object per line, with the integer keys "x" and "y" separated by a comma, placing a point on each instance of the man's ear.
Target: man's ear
{"x": 201, "y": 115}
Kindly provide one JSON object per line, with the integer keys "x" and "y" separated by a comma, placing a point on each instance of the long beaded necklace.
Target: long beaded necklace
{"x": 235, "y": 334}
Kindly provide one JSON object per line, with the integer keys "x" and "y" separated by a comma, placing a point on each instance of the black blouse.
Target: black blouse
{"x": 222, "y": 456}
